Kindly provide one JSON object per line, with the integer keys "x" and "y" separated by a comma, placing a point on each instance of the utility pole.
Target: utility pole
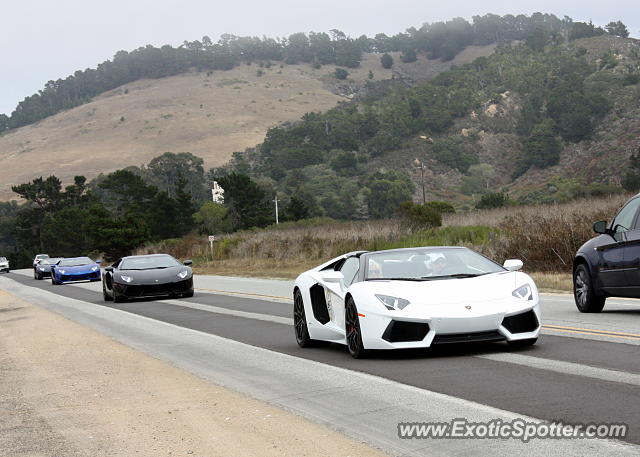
{"x": 421, "y": 167}
{"x": 276, "y": 202}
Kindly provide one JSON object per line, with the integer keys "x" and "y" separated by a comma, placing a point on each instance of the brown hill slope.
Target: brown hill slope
{"x": 209, "y": 115}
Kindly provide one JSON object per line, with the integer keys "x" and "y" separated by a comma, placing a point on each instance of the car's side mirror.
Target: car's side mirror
{"x": 331, "y": 276}
{"x": 513, "y": 264}
{"x": 600, "y": 227}
{"x": 188, "y": 262}
{"x": 108, "y": 269}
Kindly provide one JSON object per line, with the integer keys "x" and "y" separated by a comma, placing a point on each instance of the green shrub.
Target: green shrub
{"x": 420, "y": 216}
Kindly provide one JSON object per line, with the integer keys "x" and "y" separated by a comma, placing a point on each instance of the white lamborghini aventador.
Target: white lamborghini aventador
{"x": 415, "y": 298}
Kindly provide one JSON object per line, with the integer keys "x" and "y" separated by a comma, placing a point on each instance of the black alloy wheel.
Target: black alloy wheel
{"x": 583, "y": 292}
{"x": 353, "y": 332}
{"x": 300, "y": 322}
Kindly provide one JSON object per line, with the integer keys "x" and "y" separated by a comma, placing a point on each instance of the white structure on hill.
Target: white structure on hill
{"x": 217, "y": 193}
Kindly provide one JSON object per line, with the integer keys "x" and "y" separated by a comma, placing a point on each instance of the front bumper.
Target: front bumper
{"x": 389, "y": 331}
{"x": 154, "y": 289}
{"x": 85, "y": 276}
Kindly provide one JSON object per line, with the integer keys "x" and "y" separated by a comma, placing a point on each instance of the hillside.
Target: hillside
{"x": 209, "y": 114}
{"x": 542, "y": 121}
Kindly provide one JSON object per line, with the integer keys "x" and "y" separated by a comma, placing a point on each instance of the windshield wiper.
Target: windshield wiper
{"x": 455, "y": 276}
{"x": 394, "y": 279}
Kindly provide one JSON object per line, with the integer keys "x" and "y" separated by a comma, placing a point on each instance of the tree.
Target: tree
{"x": 166, "y": 170}
{"x": 618, "y": 29}
{"x": 125, "y": 192}
{"x": 247, "y": 202}
{"x": 542, "y": 148}
{"x": 341, "y": 73}
{"x": 387, "y": 191}
{"x": 478, "y": 179}
{"x": 409, "y": 55}
{"x": 631, "y": 180}
{"x": 419, "y": 217}
{"x": 115, "y": 237}
{"x": 492, "y": 200}
{"x": 386, "y": 60}
{"x": 296, "y": 209}
{"x": 212, "y": 218}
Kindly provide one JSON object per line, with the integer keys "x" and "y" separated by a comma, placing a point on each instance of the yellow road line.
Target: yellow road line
{"x": 245, "y": 293}
{"x": 593, "y": 332}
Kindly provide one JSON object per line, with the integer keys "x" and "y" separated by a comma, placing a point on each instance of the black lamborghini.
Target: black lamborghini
{"x": 152, "y": 275}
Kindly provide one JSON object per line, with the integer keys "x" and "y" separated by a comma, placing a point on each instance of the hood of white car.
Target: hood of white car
{"x": 480, "y": 289}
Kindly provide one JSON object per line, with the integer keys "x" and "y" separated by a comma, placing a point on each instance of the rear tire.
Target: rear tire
{"x": 522, "y": 343}
{"x": 583, "y": 292}
{"x": 353, "y": 331}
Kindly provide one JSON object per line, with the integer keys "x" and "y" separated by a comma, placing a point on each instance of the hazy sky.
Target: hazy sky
{"x": 41, "y": 40}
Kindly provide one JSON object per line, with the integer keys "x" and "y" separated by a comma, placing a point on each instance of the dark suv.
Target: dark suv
{"x": 609, "y": 264}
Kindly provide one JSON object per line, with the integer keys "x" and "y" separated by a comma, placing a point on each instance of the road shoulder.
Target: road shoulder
{"x": 72, "y": 391}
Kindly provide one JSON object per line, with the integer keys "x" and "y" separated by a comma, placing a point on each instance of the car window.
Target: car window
{"x": 349, "y": 270}
{"x": 624, "y": 220}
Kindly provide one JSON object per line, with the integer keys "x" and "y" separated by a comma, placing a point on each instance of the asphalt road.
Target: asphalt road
{"x": 584, "y": 369}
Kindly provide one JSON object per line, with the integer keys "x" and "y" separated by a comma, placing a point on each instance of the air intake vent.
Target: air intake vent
{"x": 475, "y": 337}
{"x": 401, "y": 331}
{"x": 521, "y": 323}
{"x": 319, "y": 304}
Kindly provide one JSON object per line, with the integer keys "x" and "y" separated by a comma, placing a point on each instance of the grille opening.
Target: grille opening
{"x": 521, "y": 323}
{"x": 401, "y": 331}
{"x": 474, "y": 337}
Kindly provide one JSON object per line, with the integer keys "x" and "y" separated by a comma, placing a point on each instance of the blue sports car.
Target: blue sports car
{"x": 75, "y": 269}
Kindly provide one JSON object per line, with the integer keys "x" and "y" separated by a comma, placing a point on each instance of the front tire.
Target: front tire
{"x": 583, "y": 292}
{"x": 117, "y": 298}
{"x": 300, "y": 322}
{"x": 353, "y": 331}
{"x": 54, "y": 281}
{"x": 105, "y": 295}
{"x": 187, "y": 294}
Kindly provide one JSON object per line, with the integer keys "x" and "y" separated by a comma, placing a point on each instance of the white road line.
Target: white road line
{"x": 232, "y": 312}
{"x": 569, "y": 368}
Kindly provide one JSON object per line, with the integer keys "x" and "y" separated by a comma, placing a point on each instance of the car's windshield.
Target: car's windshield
{"x": 149, "y": 262}
{"x": 51, "y": 261}
{"x": 3, "y": 259}
{"x": 75, "y": 262}
{"x": 428, "y": 264}
{"x": 42, "y": 256}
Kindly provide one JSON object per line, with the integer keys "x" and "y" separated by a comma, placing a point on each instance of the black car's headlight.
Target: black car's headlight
{"x": 393, "y": 302}
{"x": 183, "y": 274}
{"x": 523, "y": 292}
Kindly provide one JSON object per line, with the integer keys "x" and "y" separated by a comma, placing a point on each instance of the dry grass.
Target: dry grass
{"x": 545, "y": 237}
{"x": 553, "y": 282}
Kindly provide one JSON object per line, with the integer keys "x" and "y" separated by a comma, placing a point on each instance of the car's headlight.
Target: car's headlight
{"x": 183, "y": 274}
{"x": 393, "y": 302}
{"x": 523, "y": 292}
{"x": 41, "y": 268}
{"x": 126, "y": 278}
{"x": 62, "y": 272}
{"x": 95, "y": 268}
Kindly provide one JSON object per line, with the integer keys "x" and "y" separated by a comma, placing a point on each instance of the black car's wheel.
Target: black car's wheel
{"x": 105, "y": 295}
{"x": 117, "y": 298}
{"x": 300, "y": 322}
{"x": 523, "y": 343}
{"x": 187, "y": 294}
{"x": 352, "y": 329}
{"x": 584, "y": 294}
